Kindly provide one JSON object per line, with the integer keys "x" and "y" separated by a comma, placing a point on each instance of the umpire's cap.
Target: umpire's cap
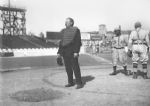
{"x": 137, "y": 25}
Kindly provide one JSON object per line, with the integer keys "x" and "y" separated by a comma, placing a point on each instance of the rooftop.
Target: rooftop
{"x": 12, "y": 9}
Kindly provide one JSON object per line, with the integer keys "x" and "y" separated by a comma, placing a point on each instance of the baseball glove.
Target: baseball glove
{"x": 59, "y": 61}
{"x": 129, "y": 53}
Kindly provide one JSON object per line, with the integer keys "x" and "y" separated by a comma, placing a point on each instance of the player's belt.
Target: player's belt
{"x": 139, "y": 43}
{"x": 119, "y": 47}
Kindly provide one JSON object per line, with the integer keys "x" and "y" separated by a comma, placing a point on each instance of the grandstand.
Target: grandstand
{"x": 10, "y": 43}
{"x": 13, "y": 38}
{"x": 24, "y": 41}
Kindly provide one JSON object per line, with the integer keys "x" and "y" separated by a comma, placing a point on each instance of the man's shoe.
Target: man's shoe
{"x": 145, "y": 76}
{"x": 130, "y": 73}
{"x": 135, "y": 75}
{"x": 79, "y": 86}
{"x": 113, "y": 73}
{"x": 69, "y": 85}
{"x": 124, "y": 72}
{"x": 127, "y": 72}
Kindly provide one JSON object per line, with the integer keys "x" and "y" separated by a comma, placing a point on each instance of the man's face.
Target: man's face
{"x": 68, "y": 23}
{"x": 117, "y": 32}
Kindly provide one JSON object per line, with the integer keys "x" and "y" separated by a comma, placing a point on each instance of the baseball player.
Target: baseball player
{"x": 118, "y": 51}
{"x": 139, "y": 45}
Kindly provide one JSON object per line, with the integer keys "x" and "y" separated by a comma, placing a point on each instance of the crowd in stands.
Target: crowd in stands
{"x": 96, "y": 47}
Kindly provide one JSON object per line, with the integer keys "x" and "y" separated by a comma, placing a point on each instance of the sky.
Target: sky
{"x": 50, "y": 15}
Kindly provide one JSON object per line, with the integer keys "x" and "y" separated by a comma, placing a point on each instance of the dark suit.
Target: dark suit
{"x": 70, "y": 44}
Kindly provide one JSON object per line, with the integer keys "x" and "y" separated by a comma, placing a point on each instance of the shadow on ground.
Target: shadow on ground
{"x": 86, "y": 79}
{"x": 129, "y": 72}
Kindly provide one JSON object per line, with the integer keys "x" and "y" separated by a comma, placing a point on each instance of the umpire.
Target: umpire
{"x": 69, "y": 49}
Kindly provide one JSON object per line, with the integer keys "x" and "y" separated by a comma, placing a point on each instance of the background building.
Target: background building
{"x": 102, "y": 30}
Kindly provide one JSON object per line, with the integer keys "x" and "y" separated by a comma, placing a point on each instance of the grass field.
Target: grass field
{"x": 41, "y": 61}
{"x": 50, "y": 61}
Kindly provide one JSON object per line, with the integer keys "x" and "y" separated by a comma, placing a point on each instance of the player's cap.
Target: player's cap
{"x": 137, "y": 24}
{"x": 117, "y": 28}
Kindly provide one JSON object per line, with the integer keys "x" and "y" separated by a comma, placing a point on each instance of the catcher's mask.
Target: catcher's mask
{"x": 117, "y": 32}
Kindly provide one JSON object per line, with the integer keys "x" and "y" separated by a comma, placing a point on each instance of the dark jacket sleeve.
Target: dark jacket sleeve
{"x": 77, "y": 42}
{"x": 60, "y": 46}
{"x": 60, "y": 49}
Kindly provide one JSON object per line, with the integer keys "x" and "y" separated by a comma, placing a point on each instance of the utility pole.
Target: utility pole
{"x": 9, "y": 17}
{"x": 13, "y": 20}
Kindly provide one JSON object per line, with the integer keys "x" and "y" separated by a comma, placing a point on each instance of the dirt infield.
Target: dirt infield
{"x": 45, "y": 87}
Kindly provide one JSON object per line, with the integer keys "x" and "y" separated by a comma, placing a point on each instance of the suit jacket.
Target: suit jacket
{"x": 70, "y": 42}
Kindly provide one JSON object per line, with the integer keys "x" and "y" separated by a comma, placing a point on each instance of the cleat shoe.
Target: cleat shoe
{"x": 135, "y": 75}
{"x": 128, "y": 72}
{"x": 145, "y": 76}
{"x": 113, "y": 73}
{"x": 125, "y": 71}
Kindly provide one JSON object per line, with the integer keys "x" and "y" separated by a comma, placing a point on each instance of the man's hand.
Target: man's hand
{"x": 58, "y": 55}
{"x": 76, "y": 55}
{"x": 148, "y": 49}
{"x": 129, "y": 53}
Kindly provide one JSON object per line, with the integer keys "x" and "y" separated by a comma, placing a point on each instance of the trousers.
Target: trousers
{"x": 119, "y": 55}
{"x": 139, "y": 53}
{"x": 72, "y": 66}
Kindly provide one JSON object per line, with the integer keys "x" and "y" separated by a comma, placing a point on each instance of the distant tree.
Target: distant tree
{"x": 31, "y": 34}
{"x": 42, "y": 35}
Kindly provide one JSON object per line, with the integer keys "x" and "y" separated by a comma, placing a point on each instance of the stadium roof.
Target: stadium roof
{"x": 53, "y": 35}
{"x": 12, "y": 9}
